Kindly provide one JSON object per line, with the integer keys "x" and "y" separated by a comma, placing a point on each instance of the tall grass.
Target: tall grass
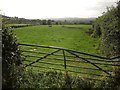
{"x": 58, "y": 80}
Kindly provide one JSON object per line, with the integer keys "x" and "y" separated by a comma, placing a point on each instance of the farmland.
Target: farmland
{"x": 67, "y": 36}
{"x": 70, "y": 52}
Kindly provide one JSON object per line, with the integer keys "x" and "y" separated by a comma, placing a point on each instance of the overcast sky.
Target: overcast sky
{"x": 37, "y": 9}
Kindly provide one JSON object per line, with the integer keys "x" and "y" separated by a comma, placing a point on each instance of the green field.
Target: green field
{"x": 67, "y": 36}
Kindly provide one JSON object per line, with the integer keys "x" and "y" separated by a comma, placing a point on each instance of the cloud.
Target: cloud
{"x": 55, "y": 8}
{"x": 101, "y": 6}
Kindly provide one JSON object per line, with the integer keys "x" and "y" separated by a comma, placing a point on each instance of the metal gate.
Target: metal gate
{"x": 42, "y": 58}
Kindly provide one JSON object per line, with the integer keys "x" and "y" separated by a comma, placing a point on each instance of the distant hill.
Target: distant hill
{"x": 57, "y": 21}
{"x": 75, "y": 20}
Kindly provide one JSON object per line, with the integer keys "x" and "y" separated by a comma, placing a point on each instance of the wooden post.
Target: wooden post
{"x": 64, "y": 60}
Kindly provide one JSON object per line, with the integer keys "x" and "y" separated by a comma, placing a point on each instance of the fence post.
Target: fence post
{"x": 64, "y": 59}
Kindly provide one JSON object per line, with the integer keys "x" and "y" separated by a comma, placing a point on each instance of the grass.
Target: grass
{"x": 58, "y": 80}
{"x": 69, "y": 36}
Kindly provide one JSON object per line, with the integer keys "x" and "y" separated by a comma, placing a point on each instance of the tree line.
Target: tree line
{"x": 63, "y": 21}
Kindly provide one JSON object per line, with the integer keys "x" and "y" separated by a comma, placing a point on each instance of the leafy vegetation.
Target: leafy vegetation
{"x": 17, "y": 25}
{"x": 59, "y": 80}
{"x": 11, "y": 59}
{"x": 106, "y": 27}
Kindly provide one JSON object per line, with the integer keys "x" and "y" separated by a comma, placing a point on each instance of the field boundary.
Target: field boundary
{"x": 79, "y": 57}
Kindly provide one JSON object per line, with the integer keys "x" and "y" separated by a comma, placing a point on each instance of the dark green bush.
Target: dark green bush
{"x": 107, "y": 83}
{"x": 96, "y": 28}
{"x": 109, "y": 26}
{"x": 106, "y": 27}
{"x": 10, "y": 59}
{"x": 89, "y": 31}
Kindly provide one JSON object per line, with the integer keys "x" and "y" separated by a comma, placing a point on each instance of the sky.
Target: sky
{"x": 40, "y": 9}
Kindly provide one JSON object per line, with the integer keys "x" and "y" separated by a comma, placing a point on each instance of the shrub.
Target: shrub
{"x": 55, "y": 80}
{"x": 59, "y": 80}
{"x": 106, "y": 83}
{"x": 106, "y": 26}
{"x": 89, "y": 31}
{"x": 96, "y": 29}
{"x": 10, "y": 59}
{"x": 109, "y": 26}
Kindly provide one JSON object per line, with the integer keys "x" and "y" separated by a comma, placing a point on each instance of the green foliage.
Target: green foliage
{"x": 55, "y": 80}
{"x": 49, "y": 22}
{"x": 96, "y": 30}
{"x": 106, "y": 26}
{"x": 10, "y": 59}
{"x": 109, "y": 26}
{"x": 17, "y": 25}
{"x": 59, "y": 80}
{"x": 107, "y": 83}
{"x": 110, "y": 34}
{"x": 90, "y": 31}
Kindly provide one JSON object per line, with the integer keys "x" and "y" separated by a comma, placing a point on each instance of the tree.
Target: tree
{"x": 44, "y": 22}
{"x": 49, "y": 22}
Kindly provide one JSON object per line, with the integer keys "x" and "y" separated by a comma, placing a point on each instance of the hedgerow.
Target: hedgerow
{"x": 106, "y": 27}
{"x": 11, "y": 59}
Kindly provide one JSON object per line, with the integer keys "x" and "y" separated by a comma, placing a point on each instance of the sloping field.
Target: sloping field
{"x": 67, "y": 36}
